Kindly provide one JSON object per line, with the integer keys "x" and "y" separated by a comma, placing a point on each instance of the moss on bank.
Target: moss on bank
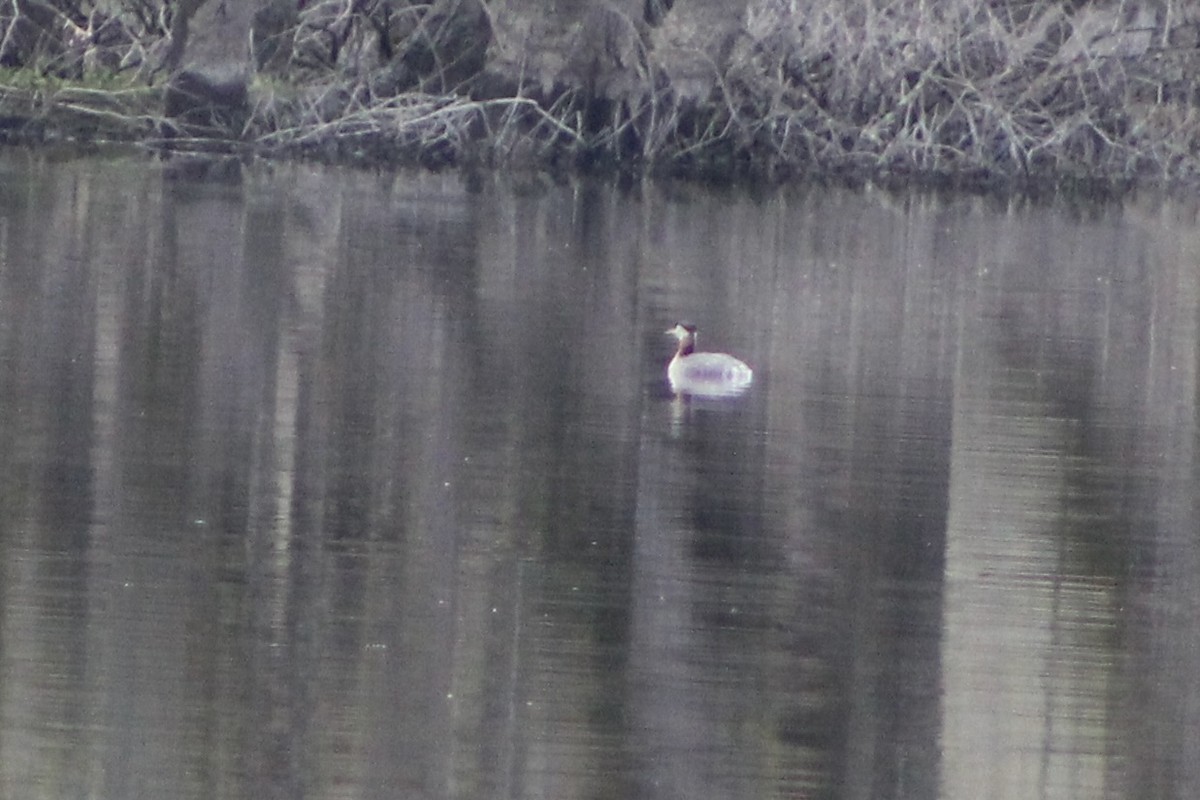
{"x": 945, "y": 90}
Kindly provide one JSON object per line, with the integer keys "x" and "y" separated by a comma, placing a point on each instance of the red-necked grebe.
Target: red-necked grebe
{"x": 713, "y": 374}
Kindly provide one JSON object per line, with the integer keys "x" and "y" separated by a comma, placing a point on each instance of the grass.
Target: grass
{"x": 48, "y": 107}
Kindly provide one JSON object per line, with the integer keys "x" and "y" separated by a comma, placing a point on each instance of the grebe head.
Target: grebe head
{"x": 686, "y": 334}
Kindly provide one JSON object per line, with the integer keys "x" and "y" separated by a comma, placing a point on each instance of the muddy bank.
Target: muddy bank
{"x": 948, "y": 90}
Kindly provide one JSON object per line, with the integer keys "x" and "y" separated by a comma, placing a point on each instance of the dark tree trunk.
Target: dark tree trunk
{"x": 211, "y": 63}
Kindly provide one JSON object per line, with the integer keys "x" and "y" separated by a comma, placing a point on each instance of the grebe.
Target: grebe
{"x": 711, "y": 374}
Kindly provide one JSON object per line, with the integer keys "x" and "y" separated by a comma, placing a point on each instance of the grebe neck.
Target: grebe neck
{"x": 686, "y": 334}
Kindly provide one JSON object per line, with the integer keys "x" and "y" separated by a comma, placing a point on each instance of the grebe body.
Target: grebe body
{"x": 711, "y": 374}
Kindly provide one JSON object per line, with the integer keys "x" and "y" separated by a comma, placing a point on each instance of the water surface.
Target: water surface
{"x": 326, "y": 483}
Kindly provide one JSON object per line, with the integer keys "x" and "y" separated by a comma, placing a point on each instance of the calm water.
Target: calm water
{"x": 328, "y": 484}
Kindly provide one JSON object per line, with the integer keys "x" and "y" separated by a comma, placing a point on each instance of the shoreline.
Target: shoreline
{"x": 960, "y": 95}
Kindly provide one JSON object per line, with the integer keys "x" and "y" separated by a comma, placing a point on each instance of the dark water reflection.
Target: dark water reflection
{"x": 328, "y": 484}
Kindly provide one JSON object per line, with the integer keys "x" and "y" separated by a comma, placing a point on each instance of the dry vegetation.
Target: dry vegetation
{"x": 953, "y": 87}
{"x": 946, "y": 89}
